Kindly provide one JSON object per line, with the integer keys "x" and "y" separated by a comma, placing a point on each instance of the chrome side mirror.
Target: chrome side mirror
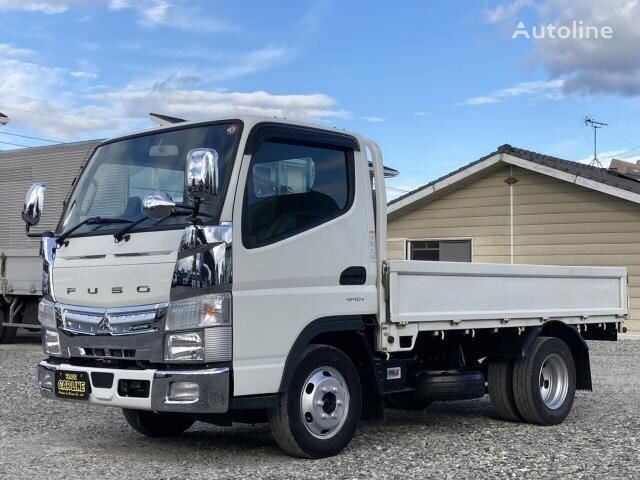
{"x": 158, "y": 205}
{"x": 33, "y": 204}
{"x": 201, "y": 175}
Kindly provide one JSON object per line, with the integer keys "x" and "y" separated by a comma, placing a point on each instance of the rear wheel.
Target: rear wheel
{"x": 544, "y": 382}
{"x": 7, "y": 334}
{"x": 501, "y": 389}
{"x": 318, "y": 414}
{"x": 155, "y": 424}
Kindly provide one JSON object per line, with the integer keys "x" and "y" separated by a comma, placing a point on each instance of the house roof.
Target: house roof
{"x": 600, "y": 179}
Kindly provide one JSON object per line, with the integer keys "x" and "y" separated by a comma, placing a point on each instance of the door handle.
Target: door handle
{"x": 353, "y": 276}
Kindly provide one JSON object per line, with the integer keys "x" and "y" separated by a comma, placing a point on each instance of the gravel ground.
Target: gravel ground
{"x": 600, "y": 439}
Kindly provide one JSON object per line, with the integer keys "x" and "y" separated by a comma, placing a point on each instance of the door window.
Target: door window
{"x": 294, "y": 187}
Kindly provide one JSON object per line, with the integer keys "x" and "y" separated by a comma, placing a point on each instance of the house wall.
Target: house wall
{"x": 479, "y": 210}
{"x": 555, "y": 223}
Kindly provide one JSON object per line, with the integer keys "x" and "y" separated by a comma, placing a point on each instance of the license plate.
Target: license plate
{"x": 72, "y": 385}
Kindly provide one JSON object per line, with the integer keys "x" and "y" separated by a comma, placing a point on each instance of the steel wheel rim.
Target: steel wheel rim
{"x": 324, "y": 402}
{"x": 554, "y": 381}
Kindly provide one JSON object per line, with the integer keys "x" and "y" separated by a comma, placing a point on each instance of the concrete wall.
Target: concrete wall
{"x": 555, "y": 223}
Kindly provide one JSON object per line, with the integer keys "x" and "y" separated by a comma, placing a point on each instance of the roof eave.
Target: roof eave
{"x": 427, "y": 193}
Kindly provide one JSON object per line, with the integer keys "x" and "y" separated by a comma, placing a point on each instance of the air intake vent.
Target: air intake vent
{"x": 108, "y": 352}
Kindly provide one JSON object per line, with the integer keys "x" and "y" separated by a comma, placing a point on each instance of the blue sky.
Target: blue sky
{"x": 437, "y": 83}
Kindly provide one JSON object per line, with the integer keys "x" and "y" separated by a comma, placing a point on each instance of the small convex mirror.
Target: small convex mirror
{"x": 158, "y": 205}
{"x": 33, "y": 204}
{"x": 201, "y": 175}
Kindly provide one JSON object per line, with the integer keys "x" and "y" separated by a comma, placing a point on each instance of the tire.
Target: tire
{"x": 155, "y": 424}
{"x": 501, "y": 389}
{"x": 444, "y": 386}
{"x": 406, "y": 401}
{"x": 324, "y": 374}
{"x": 7, "y": 334}
{"x": 544, "y": 382}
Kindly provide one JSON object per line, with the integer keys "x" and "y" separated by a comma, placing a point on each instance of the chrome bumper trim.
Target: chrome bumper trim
{"x": 213, "y": 382}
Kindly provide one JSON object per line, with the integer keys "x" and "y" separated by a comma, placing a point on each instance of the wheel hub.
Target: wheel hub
{"x": 324, "y": 402}
{"x": 554, "y": 381}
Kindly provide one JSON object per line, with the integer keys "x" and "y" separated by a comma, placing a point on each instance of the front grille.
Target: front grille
{"x": 116, "y": 321}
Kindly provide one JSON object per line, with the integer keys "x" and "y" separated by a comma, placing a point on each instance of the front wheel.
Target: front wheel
{"x": 156, "y": 424}
{"x": 318, "y": 414}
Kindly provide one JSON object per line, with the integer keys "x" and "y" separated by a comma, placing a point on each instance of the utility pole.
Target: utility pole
{"x": 590, "y": 122}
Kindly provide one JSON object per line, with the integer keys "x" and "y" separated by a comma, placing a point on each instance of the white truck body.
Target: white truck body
{"x": 113, "y": 305}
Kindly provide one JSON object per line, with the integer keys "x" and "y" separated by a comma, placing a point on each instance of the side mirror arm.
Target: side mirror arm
{"x": 30, "y": 234}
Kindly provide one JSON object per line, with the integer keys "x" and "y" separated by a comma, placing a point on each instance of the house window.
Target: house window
{"x": 440, "y": 250}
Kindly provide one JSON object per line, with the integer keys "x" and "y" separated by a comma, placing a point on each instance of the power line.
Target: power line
{"x": 15, "y": 144}
{"x": 397, "y": 190}
{"x": 31, "y": 138}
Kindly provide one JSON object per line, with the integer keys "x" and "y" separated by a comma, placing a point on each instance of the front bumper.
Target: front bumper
{"x": 213, "y": 387}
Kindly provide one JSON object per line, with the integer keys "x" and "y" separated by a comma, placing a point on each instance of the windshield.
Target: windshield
{"x": 121, "y": 173}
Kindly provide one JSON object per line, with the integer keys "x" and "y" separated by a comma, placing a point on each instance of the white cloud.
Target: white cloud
{"x": 421, "y": 114}
{"x": 253, "y": 62}
{"x": 8, "y": 51}
{"x": 506, "y": 11}
{"x": 545, "y": 89}
{"x": 151, "y": 13}
{"x": 587, "y": 66}
{"x": 606, "y": 157}
{"x": 84, "y": 75}
{"x": 63, "y": 104}
{"x": 372, "y": 119}
{"x": 200, "y": 104}
{"x": 154, "y": 13}
{"x": 48, "y": 7}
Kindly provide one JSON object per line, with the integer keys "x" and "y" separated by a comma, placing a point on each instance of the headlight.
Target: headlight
{"x": 184, "y": 347}
{"x": 47, "y": 313}
{"x": 51, "y": 342}
{"x": 198, "y": 312}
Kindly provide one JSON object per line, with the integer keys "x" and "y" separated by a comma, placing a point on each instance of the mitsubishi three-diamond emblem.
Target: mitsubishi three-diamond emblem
{"x": 103, "y": 326}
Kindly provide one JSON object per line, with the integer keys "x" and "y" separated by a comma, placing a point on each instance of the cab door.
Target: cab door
{"x": 301, "y": 245}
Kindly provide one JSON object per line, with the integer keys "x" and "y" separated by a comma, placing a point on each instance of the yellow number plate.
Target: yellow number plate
{"x": 72, "y": 385}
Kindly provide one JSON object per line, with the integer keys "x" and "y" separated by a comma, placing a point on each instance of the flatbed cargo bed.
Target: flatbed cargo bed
{"x": 456, "y": 295}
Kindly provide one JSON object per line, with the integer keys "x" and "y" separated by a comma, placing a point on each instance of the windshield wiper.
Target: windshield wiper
{"x": 122, "y": 234}
{"x": 89, "y": 221}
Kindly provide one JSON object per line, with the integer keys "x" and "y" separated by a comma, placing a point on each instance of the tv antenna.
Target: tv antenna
{"x": 590, "y": 122}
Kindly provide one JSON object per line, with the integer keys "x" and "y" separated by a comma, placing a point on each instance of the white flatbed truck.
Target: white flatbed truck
{"x": 236, "y": 271}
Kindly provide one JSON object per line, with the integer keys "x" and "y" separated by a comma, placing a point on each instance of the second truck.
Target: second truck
{"x": 236, "y": 271}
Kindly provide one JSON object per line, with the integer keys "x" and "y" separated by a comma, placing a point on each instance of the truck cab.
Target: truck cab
{"x": 235, "y": 270}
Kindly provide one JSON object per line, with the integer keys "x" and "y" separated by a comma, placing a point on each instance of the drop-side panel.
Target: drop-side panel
{"x": 457, "y": 292}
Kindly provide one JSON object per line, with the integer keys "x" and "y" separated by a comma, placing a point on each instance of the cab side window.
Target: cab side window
{"x": 292, "y": 188}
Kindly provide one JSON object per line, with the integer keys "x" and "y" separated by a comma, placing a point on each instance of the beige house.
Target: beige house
{"x": 517, "y": 206}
